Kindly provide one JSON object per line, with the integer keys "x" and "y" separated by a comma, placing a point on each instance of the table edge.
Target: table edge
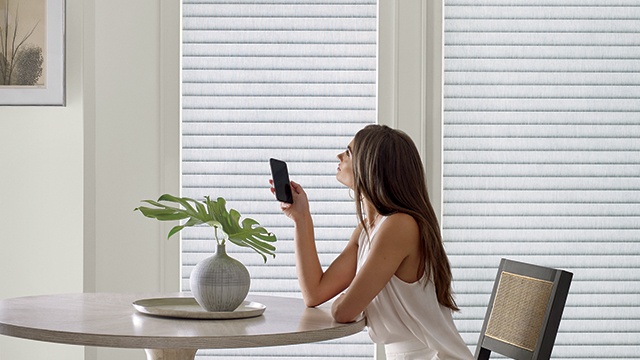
{"x": 166, "y": 342}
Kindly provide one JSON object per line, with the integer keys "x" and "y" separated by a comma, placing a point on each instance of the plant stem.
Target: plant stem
{"x": 215, "y": 232}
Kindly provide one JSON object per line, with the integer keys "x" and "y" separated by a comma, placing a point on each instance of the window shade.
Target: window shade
{"x": 293, "y": 80}
{"x": 542, "y": 159}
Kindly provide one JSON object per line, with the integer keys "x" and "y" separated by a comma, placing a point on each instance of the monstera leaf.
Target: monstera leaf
{"x": 249, "y": 233}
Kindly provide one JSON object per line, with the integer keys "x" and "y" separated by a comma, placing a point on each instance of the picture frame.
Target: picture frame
{"x": 32, "y": 56}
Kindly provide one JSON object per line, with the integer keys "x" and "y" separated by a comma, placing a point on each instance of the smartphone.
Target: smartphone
{"x": 280, "y": 176}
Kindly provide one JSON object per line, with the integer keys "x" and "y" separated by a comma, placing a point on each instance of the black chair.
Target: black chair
{"x": 524, "y": 311}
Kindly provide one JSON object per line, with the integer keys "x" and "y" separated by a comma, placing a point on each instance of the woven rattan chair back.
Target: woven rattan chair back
{"x": 524, "y": 311}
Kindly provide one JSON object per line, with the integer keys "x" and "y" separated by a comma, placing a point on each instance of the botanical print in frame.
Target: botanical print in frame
{"x": 32, "y": 52}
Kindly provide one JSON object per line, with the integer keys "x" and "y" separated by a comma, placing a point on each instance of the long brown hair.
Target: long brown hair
{"x": 388, "y": 173}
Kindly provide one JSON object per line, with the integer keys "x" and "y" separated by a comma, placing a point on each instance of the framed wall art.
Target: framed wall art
{"x": 32, "y": 52}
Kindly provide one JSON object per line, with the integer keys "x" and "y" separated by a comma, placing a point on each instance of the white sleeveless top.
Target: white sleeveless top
{"x": 409, "y": 313}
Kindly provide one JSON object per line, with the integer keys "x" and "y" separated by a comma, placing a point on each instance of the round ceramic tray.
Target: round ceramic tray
{"x": 188, "y": 308}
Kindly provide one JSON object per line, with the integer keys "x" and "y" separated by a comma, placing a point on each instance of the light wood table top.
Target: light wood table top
{"x": 110, "y": 320}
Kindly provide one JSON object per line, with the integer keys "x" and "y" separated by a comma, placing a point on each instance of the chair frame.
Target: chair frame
{"x": 546, "y": 338}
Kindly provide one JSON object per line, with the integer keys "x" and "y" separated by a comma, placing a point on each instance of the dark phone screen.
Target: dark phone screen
{"x": 280, "y": 176}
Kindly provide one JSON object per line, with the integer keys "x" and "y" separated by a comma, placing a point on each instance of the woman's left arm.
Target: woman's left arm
{"x": 397, "y": 238}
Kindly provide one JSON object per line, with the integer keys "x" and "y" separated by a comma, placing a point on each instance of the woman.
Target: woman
{"x": 394, "y": 267}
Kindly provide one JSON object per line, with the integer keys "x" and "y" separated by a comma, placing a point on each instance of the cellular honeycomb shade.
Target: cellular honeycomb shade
{"x": 292, "y": 80}
{"x": 542, "y": 159}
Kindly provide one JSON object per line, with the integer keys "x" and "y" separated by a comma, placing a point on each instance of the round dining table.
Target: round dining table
{"x": 111, "y": 320}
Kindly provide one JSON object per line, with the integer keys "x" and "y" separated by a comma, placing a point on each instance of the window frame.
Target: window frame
{"x": 170, "y": 133}
{"x": 410, "y": 42}
{"x": 405, "y": 101}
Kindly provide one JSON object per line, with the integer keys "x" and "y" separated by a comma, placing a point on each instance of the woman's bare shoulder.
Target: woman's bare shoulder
{"x": 400, "y": 228}
{"x": 401, "y": 220}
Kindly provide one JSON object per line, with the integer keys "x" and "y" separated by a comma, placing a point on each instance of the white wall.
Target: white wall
{"x": 41, "y": 212}
{"x": 71, "y": 176}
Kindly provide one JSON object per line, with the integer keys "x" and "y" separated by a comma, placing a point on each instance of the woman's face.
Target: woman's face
{"x": 345, "y": 168}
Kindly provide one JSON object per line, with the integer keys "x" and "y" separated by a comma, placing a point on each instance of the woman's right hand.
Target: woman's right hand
{"x": 300, "y": 207}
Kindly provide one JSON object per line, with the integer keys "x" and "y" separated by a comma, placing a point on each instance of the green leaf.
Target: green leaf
{"x": 212, "y": 213}
{"x": 174, "y": 230}
{"x": 215, "y": 224}
{"x": 161, "y": 214}
{"x": 184, "y": 202}
{"x": 202, "y": 210}
{"x": 217, "y": 210}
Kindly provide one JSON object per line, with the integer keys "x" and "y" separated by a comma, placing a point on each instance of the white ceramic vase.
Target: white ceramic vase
{"x": 220, "y": 282}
